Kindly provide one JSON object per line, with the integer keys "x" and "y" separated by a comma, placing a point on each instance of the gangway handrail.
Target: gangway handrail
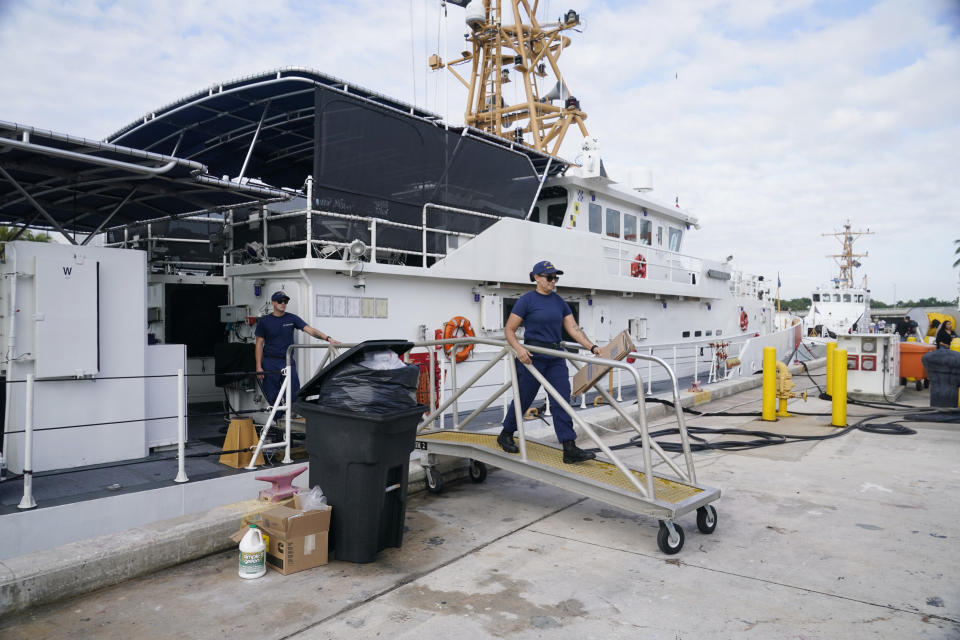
{"x": 284, "y": 401}
{"x": 639, "y": 426}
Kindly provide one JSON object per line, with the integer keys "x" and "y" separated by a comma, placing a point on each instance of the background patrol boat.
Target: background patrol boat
{"x": 841, "y": 306}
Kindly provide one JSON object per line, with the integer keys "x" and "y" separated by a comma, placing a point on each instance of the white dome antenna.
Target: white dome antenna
{"x": 641, "y": 179}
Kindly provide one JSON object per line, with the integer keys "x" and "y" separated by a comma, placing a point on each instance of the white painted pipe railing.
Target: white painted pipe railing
{"x": 181, "y": 427}
{"x": 27, "y": 501}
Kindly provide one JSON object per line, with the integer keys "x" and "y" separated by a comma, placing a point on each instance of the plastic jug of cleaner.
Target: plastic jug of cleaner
{"x": 253, "y": 554}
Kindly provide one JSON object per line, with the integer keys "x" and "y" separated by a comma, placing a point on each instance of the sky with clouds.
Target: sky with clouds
{"x": 773, "y": 121}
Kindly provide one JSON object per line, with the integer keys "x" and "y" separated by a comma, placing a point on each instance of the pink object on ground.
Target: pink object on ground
{"x": 282, "y": 484}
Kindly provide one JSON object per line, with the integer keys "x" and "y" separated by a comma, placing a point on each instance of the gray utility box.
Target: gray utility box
{"x": 234, "y": 313}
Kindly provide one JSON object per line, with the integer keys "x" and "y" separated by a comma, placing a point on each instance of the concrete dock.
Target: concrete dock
{"x": 851, "y": 537}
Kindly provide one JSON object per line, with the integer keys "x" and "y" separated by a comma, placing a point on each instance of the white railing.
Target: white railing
{"x": 638, "y": 424}
{"x": 28, "y": 501}
{"x": 746, "y": 285}
{"x": 623, "y": 258}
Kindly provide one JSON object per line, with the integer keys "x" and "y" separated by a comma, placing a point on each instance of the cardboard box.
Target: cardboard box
{"x": 298, "y": 539}
{"x": 589, "y": 374}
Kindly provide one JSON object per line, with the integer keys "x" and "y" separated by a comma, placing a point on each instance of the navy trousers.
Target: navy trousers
{"x": 272, "y": 381}
{"x": 555, "y": 371}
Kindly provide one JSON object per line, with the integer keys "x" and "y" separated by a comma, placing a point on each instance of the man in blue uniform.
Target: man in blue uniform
{"x": 544, "y": 315}
{"x": 274, "y": 334}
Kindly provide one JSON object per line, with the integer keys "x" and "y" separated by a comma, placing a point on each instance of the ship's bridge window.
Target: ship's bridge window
{"x": 613, "y": 223}
{"x": 556, "y": 214}
{"x": 836, "y": 297}
{"x": 630, "y": 227}
{"x": 675, "y": 236}
{"x": 846, "y": 297}
{"x": 859, "y": 298}
{"x": 596, "y": 218}
{"x": 646, "y": 232}
{"x": 816, "y": 297}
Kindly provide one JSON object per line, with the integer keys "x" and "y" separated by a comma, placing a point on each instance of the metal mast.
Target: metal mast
{"x": 513, "y": 43}
{"x": 847, "y": 259}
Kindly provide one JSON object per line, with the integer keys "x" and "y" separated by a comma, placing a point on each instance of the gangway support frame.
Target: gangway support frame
{"x": 596, "y": 479}
{"x": 610, "y": 481}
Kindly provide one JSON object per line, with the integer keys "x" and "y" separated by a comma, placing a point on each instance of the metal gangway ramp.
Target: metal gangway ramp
{"x": 608, "y": 480}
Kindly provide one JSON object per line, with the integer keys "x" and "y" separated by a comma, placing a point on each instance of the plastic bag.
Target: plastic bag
{"x": 313, "y": 499}
{"x": 383, "y": 360}
{"x": 354, "y": 387}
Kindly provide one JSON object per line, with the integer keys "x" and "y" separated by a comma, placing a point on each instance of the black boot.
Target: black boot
{"x": 505, "y": 440}
{"x": 572, "y": 453}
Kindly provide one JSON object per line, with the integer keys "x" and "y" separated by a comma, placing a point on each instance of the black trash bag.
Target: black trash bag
{"x": 354, "y": 387}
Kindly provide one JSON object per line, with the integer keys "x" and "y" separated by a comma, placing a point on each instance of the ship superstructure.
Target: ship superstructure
{"x": 398, "y": 221}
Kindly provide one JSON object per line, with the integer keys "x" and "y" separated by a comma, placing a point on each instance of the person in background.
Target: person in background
{"x": 544, "y": 316}
{"x": 274, "y": 334}
{"x": 945, "y": 335}
{"x": 906, "y": 328}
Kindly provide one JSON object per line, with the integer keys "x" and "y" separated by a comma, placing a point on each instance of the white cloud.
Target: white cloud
{"x": 773, "y": 121}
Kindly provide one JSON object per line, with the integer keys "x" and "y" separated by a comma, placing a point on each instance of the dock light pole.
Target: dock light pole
{"x": 769, "y": 384}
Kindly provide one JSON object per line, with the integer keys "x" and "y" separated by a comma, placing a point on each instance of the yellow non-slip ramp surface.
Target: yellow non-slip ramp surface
{"x": 665, "y": 490}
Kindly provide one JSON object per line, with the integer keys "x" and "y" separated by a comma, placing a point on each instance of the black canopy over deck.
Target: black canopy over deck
{"x": 368, "y": 154}
{"x": 75, "y": 185}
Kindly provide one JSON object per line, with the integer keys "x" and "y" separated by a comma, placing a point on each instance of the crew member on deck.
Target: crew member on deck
{"x": 274, "y": 334}
{"x": 945, "y": 335}
{"x": 544, "y": 315}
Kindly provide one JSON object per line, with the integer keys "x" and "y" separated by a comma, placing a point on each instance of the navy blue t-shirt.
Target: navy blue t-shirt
{"x": 277, "y": 333}
{"x": 542, "y": 316}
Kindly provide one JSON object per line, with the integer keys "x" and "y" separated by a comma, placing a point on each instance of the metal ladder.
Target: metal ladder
{"x": 641, "y": 491}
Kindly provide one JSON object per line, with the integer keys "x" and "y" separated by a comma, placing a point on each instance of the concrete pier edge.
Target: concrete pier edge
{"x": 80, "y": 567}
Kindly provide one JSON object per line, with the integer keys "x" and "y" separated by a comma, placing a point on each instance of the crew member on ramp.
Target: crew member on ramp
{"x": 544, "y": 315}
{"x": 274, "y": 334}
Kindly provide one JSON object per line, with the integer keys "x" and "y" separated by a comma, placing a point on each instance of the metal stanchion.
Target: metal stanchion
{"x": 27, "y": 502}
{"x": 181, "y": 429}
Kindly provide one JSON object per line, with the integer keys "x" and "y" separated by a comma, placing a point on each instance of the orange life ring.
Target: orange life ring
{"x": 744, "y": 321}
{"x": 450, "y": 328}
{"x": 638, "y": 268}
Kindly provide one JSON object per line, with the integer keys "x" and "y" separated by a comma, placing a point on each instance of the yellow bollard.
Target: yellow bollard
{"x": 831, "y": 347}
{"x": 955, "y": 346}
{"x": 839, "y": 388}
{"x": 769, "y": 384}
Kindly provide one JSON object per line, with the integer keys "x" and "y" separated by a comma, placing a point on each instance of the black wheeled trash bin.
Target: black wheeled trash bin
{"x": 361, "y": 429}
{"x": 943, "y": 367}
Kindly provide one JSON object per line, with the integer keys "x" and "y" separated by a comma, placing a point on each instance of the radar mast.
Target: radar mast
{"x": 847, "y": 259}
{"x": 509, "y": 44}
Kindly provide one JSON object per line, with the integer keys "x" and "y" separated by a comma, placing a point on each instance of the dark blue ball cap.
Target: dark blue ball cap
{"x": 279, "y": 295}
{"x": 543, "y": 268}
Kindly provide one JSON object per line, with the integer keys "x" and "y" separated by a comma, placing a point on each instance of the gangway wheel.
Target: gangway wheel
{"x": 706, "y": 519}
{"x": 670, "y": 544}
{"x": 434, "y": 480}
{"x": 478, "y": 471}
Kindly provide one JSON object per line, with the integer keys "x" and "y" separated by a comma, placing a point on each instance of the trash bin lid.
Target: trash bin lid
{"x": 354, "y": 354}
